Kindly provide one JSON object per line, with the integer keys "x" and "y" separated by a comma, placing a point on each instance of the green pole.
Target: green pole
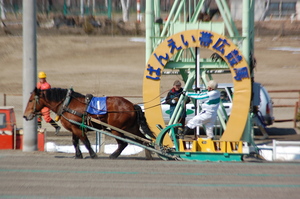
{"x": 65, "y": 10}
{"x": 246, "y": 29}
{"x": 149, "y": 28}
{"x": 109, "y": 9}
{"x": 166, "y": 26}
{"x": 247, "y": 33}
{"x": 156, "y": 16}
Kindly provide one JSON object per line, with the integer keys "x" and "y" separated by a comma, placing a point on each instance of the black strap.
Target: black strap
{"x": 73, "y": 112}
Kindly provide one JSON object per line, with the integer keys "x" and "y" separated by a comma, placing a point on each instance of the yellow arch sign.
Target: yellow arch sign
{"x": 220, "y": 45}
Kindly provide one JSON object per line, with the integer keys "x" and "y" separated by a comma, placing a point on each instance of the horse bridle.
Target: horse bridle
{"x": 36, "y": 101}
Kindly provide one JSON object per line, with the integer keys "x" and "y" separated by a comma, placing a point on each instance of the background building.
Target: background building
{"x": 269, "y": 9}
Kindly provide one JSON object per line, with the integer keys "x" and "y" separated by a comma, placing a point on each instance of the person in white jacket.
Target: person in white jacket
{"x": 208, "y": 115}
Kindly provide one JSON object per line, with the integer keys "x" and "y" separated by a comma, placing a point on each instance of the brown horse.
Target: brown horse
{"x": 121, "y": 113}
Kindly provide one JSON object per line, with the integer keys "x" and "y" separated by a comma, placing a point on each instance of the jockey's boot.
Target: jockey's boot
{"x": 39, "y": 123}
{"x": 181, "y": 133}
{"x": 57, "y": 128}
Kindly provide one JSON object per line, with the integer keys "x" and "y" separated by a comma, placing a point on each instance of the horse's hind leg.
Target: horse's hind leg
{"x": 148, "y": 155}
{"x": 87, "y": 144}
{"x": 121, "y": 147}
{"x": 75, "y": 140}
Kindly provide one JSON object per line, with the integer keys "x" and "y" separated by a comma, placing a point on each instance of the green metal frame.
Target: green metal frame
{"x": 191, "y": 156}
{"x": 214, "y": 157}
{"x": 184, "y": 62}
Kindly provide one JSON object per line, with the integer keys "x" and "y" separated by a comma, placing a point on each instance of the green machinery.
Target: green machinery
{"x": 176, "y": 44}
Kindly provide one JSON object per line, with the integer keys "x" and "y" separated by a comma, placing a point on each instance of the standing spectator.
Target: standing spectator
{"x": 45, "y": 112}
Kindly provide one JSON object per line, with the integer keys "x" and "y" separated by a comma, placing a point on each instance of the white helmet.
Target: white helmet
{"x": 212, "y": 84}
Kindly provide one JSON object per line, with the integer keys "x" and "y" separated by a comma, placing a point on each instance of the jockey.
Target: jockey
{"x": 208, "y": 115}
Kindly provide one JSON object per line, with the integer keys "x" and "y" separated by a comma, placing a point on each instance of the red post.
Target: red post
{"x": 138, "y": 9}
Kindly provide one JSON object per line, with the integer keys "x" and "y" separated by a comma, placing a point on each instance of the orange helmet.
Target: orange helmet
{"x": 42, "y": 75}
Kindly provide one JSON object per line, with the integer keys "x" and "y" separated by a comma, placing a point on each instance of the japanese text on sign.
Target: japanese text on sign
{"x": 205, "y": 40}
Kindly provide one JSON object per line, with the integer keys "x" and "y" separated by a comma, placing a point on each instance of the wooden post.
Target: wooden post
{"x": 100, "y": 142}
{"x": 4, "y": 99}
{"x": 296, "y": 113}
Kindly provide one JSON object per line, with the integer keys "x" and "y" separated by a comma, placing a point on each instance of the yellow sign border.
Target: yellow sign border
{"x": 220, "y": 45}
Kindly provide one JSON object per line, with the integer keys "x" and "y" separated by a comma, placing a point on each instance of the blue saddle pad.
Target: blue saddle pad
{"x": 97, "y": 106}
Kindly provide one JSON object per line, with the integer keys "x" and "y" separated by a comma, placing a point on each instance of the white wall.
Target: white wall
{"x": 298, "y": 10}
{"x": 236, "y": 8}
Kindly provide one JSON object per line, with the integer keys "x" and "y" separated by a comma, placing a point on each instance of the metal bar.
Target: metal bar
{"x": 283, "y": 91}
{"x": 197, "y": 10}
{"x": 97, "y": 141}
{"x": 283, "y": 106}
{"x": 166, "y": 26}
{"x": 179, "y": 107}
{"x": 229, "y": 18}
{"x": 284, "y": 120}
{"x": 149, "y": 29}
{"x": 191, "y": 65}
{"x": 123, "y": 139}
{"x": 226, "y": 20}
{"x": 197, "y": 85}
{"x": 287, "y": 142}
{"x": 284, "y": 97}
{"x": 120, "y": 130}
{"x": 176, "y": 16}
{"x": 274, "y": 150}
{"x": 156, "y": 9}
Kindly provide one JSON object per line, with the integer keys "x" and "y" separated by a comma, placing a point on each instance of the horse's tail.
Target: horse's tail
{"x": 142, "y": 121}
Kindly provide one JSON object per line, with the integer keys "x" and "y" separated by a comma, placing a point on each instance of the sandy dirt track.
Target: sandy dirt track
{"x": 48, "y": 175}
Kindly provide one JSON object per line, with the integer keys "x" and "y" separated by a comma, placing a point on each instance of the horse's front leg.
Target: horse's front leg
{"x": 75, "y": 140}
{"x": 87, "y": 144}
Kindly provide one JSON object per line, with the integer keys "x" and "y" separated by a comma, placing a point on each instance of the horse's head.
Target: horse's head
{"x": 34, "y": 104}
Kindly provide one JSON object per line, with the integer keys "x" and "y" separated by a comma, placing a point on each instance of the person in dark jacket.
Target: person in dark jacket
{"x": 172, "y": 99}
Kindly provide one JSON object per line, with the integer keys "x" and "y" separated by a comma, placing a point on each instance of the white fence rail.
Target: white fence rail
{"x": 281, "y": 150}
{"x": 289, "y": 148}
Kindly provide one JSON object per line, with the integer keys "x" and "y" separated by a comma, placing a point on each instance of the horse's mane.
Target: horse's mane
{"x": 58, "y": 94}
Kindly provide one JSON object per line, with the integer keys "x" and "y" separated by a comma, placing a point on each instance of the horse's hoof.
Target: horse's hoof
{"x": 78, "y": 157}
{"x": 148, "y": 155}
{"x": 113, "y": 156}
{"x": 94, "y": 156}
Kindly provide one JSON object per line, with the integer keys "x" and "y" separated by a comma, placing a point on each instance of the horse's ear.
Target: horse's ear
{"x": 36, "y": 91}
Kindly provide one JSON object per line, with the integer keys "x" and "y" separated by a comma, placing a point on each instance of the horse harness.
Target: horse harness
{"x": 64, "y": 108}
{"x": 86, "y": 120}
